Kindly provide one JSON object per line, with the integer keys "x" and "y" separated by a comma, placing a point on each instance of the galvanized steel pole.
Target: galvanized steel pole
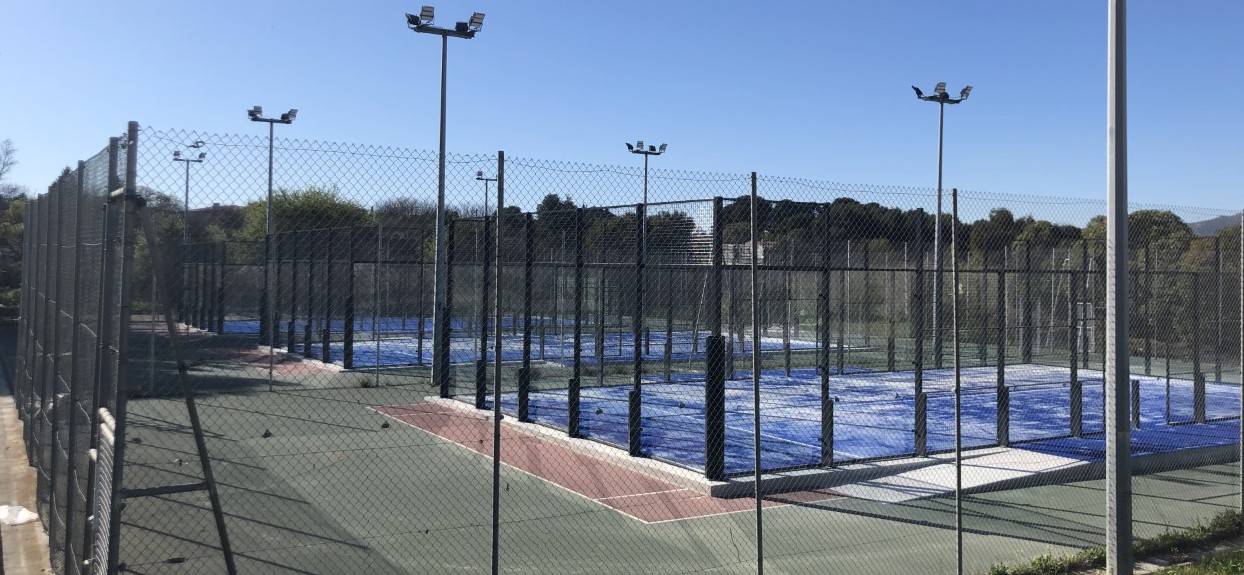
{"x": 1117, "y": 368}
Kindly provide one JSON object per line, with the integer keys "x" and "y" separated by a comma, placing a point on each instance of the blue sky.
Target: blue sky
{"x": 811, "y": 89}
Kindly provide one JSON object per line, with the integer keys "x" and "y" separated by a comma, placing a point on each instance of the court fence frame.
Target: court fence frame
{"x": 675, "y": 276}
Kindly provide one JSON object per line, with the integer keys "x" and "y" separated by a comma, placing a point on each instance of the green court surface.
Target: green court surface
{"x": 314, "y": 481}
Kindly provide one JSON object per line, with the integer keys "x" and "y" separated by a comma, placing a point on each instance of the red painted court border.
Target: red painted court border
{"x": 637, "y": 495}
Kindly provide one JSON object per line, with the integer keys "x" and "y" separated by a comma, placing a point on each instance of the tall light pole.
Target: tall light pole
{"x": 479, "y": 175}
{"x": 185, "y": 215}
{"x": 942, "y": 98}
{"x": 256, "y": 115}
{"x": 422, "y": 23}
{"x": 638, "y": 148}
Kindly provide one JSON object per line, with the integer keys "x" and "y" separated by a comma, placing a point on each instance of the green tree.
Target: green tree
{"x": 306, "y": 209}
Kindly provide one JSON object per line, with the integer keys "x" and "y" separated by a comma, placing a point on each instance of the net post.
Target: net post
{"x": 1135, "y": 403}
{"x": 635, "y": 407}
{"x": 1073, "y": 348}
{"x": 524, "y": 374}
{"x": 576, "y": 369}
{"x": 917, "y": 315}
{"x": 1003, "y": 394}
{"x": 481, "y": 365}
{"x": 347, "y": 357}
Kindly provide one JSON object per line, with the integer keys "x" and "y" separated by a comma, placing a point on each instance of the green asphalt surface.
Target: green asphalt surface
{"x": 313, "y": 481}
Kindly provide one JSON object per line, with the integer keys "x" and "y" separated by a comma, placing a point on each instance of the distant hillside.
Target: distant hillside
{"x": 1212, "y": 226}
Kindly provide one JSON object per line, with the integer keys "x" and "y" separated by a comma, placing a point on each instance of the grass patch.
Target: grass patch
{"x": 1231, "y": 562}
{"x": 1225, "y": 525}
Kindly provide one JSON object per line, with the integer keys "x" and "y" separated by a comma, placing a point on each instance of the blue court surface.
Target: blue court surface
{"x": 874, "y": 415}
{"x": 617, "y": 348}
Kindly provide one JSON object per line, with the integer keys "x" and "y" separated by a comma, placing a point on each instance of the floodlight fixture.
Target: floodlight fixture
{"x": 646, "y": 149}
{"x": 423, "y": 23}
{"x": 255, "y": 112}
{"x": 202, "y": 155}
{"x": 940, "y": 95}
{"x": 176, "y": 154}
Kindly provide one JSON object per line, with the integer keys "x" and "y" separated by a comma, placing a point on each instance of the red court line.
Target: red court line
{"x": 618, "y": 487}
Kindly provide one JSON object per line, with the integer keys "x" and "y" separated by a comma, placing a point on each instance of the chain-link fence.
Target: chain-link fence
{"x": 668, "y": 372}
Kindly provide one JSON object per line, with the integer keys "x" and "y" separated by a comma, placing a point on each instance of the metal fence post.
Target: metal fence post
{"x": 496, "y": 371}
{"x": 481, "y": 365}
{"x": 756, "y": 366}
{"x": 1117, "y": 368}
{"x": 524, "y": 374}
{"x": 129, "y": 197}
{"x": 1003, "y": 393}
{"x": 442, "y": 328}
{"x": 1026, "y": 330}
{"x": 1073, "y": 349}
{"x": 293, "y": 292}
{"x": 103, "y": 344}
{"x": 220, "y": 294}
{"x": 917, "y": 328}
{"x": 714, "y": 368}
{"x": 74, "y": 396}
{"x": 1218, "y": 318}
{"x": 573, "y": 390}
{"x": 635, "y": 404}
